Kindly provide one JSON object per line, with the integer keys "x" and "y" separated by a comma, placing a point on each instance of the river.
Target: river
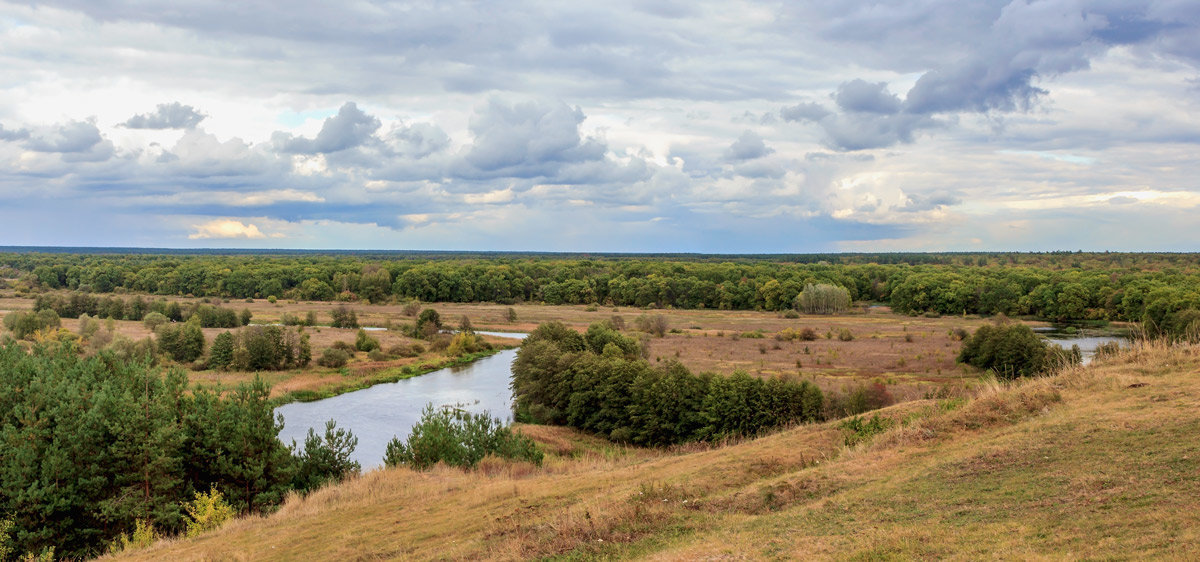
{"x": 377, "y": 414}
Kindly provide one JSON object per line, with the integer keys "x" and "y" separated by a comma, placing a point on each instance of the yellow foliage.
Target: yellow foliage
{"x": 208, "y": 511}
{"x": 143, "y": 536}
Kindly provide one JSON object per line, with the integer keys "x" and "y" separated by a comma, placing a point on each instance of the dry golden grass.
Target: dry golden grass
{"x": 1097, "y": 462}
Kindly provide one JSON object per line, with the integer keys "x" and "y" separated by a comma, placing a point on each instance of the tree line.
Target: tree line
{"x": 1156, "y": 289}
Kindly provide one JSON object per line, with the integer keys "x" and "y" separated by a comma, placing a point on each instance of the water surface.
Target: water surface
{"x": 381, "y": 412}
{"x": 1087, "y": 342}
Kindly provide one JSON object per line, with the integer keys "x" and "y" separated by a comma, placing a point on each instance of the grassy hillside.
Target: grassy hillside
{"x": 1094, "y": 462}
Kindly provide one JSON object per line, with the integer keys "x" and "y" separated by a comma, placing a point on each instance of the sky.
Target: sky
{"x": 618, "y": 126}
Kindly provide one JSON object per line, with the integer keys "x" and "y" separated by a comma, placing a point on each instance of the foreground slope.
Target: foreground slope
{"x": 1101, "y": 461}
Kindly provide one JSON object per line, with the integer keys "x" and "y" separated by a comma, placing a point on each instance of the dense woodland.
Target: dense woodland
{"x": 599, "y": 382}
{"x": 95, "y": 445}
{"x": 1063, "y": 287}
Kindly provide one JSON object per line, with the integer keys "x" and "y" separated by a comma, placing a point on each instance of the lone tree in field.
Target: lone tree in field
{"x": 823, "y": 299}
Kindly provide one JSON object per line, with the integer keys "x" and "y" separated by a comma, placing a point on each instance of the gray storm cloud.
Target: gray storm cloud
{"x": 528, "y": 138}
{"x": 172, "y": 115}
{"x": 748, "y": 147}
{"x": 689, "y": 113}
{"x": 13, "y": 134}
{"x": 351, "y": 127}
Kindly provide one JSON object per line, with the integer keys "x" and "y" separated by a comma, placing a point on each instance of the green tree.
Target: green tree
{"x": 364, "y": 342}
{"x": 220, "y": 355}
{"x": 153, "y": 320}
{"x": 325, "y": 458}
{"x": 823, "y": 298}
{"x": 183, "y": 342}
{"x": 344, "y": 317}
{"x": 428, "y": 323}
{"x": 458, "y": 438}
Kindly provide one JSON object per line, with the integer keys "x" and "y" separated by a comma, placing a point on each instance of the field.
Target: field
{"x": 1095, "y": 462}
{"x": 913, "y": 356}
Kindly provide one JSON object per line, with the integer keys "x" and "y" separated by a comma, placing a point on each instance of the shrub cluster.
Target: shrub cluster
{"x": 467, "y": 342}
{"x": 364, "y": 342}
{"x": 458, "y": 438}
{"x": 599, "y": 382}
{"x": 333, "y": 358}
{"x": 260, "y": 348}
{"x": 343, "y": 317}
{"x": 1012, "y": 351}
{"x": 183, "y": 342}
{"x": 24, "y": 324}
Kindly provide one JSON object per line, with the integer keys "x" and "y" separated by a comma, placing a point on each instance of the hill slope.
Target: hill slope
{"x": 1101, "y": 461}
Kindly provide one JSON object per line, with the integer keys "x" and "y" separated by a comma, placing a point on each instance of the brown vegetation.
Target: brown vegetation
{"x": 1093, "y": 462}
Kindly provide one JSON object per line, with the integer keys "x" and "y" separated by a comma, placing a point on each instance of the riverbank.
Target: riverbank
{"x": 383, "y": 376}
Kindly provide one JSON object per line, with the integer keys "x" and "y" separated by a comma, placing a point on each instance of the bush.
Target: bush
{"x": 656, "y": 324}
{"x": 845, "y": 335}
{"x": 1010, "y": 351}
{"x": 364, "y": 342}
{"x": 153, "y": 320}
{"x": 215, "y": 316}
{"x": 24, "y": 324}
{"x": 440, "y": 342}
{"x": 207, "y": 512}
{"x": 325, "y": 458}
{"x": 862, "y": 398}
{"x": 333, "y": 358}
{"x": 466, "y": 342}
{"x": 377, "y": 355}
{"x": 429, "y": 323}
{"x": 411, "y": 308}
{"x": 458, "y": 438}
{"x": 6, "y": 547}
{"x": 183, "y": 342}
{"x": 343, "y": 317}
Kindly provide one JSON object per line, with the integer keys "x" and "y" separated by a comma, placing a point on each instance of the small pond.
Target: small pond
{"x": 381, "y": 412}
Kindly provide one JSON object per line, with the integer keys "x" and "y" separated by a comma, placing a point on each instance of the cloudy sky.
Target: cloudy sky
{"x": 651, "y": 125}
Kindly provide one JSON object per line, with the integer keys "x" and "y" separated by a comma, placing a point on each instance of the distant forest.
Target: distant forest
{"x": 1160, "y": 290}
